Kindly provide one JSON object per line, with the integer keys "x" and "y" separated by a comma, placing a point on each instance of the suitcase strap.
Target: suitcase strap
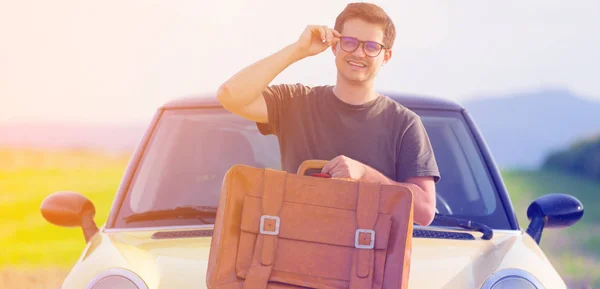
{"x": 266, "y": 243}
{"x": 367, "y": 210}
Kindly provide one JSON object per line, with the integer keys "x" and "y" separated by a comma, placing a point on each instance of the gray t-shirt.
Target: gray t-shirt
{"x": 312, "y": 123}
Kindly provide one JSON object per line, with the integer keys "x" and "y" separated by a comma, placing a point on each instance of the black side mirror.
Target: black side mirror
{"x": 70, "y": 209}
{"x": 553, "y": 211}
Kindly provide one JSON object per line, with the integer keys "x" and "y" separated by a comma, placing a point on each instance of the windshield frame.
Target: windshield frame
{"x": 138, "y": 155}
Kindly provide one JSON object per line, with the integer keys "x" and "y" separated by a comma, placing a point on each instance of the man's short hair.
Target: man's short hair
{"x": 370, "y": 13}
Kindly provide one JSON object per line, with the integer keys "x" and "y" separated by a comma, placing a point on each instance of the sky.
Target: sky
{"x": 117, "y": 61}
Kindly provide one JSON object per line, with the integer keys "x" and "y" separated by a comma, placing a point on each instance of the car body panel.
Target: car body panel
{"x": 182, "y": 262}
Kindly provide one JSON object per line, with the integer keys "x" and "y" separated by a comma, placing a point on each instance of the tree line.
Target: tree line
{"x": 581, "y": 158}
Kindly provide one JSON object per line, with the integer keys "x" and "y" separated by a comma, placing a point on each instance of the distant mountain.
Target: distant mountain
{"x": 522, "y": 129}
{"x": 58, "y": 136}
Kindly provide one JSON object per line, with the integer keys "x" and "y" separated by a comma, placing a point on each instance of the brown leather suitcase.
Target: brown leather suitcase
{"x": 280, "y": 230}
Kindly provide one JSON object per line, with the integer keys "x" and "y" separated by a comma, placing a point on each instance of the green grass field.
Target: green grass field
{"x": 574, "y": 251}
{"x": 26, "y": 178}
{"x": 34, "y": 248}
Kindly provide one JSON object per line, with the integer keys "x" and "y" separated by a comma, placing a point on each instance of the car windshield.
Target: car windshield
{"x": 191, "y": 150}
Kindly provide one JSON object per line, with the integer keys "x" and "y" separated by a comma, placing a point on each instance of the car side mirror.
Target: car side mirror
{"x": 553, "y": 211}
{"x": 70, "y": 209}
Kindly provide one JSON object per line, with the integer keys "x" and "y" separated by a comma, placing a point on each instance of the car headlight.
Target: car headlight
{"x": 512, "y": 278}
{"x": 117, "y": 278}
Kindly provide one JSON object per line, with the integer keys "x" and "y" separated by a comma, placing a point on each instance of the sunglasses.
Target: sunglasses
{"x": 371, "y": 48}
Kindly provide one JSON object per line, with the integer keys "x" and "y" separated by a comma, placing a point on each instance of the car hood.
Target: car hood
{"x": 177, "y": 260}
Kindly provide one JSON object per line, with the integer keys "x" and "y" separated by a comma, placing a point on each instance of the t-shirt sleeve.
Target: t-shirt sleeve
{"x": 415, "y": 154}
{"x": 278, "y": 98}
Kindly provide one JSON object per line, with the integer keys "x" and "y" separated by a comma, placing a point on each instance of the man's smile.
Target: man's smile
{"x": 356, "y": 64}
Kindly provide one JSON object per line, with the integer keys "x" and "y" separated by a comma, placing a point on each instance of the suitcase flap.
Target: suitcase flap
{"x": 315, "y": 224}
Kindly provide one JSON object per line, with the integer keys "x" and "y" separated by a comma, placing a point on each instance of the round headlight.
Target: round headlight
{"x": 116, "y": 278}
{"x": 512, "y": 278}
{"x": 114, "y": 282}
{"x": 513, "y": 282}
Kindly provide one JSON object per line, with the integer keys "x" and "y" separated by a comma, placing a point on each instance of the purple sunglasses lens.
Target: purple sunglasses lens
{"x": 349, "y": 44}
{"x": 372, "y": 48}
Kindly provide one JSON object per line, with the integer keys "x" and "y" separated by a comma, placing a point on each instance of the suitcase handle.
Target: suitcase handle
{"x": 312, "y": 167}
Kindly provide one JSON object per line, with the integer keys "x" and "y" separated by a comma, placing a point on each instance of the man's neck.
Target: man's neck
{"x": 354, "y": 93}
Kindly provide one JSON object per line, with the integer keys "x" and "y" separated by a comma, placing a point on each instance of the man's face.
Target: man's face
{"x": 357, "y": 66}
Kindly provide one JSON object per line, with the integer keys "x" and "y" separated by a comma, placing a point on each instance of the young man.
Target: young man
{"x": 365, "y": 135}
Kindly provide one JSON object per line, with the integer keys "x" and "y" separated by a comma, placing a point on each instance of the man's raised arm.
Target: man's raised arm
{"x": 242, "y": 93}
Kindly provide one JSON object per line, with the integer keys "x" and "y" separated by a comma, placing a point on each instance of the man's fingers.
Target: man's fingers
{"x": 330, "y": 165}
{"x": 317, "y": 32}
{"x": 326, "y": 35}
{"x": 337, "y": 175}
{"x": 340, "y": 174}
{"x": 329, "y": 36}
{"x": 323, "y": 34}
{"x": 336, "y": 37}
{"x": 335, "y": 41}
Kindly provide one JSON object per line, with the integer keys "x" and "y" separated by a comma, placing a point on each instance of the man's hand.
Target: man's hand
{"x": 422, "y": 187}
{"x": 315, "y": 39}
{"x": 344, "y": 167}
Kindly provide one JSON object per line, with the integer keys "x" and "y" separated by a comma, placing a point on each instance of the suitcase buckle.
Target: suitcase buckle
{"x": 357, "y": 238}
{"x": 262, "y": 225}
